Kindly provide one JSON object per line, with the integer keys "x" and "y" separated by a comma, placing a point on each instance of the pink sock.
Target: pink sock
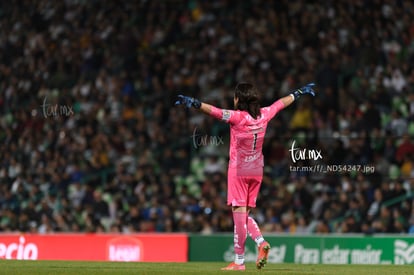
{"x": 240, "y": 231}
{"x": 254, "y": 230}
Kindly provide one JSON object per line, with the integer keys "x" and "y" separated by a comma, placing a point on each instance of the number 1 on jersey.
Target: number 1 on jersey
{"x": 254, "y": 141}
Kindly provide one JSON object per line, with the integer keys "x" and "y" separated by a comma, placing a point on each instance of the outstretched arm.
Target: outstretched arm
{"x": 216, "y": 112}
{"x": 195, "y": 103}
{"x": 287, "y": 100}
{"x": 206, "y": 108}
{"x": 307, "y": 89}
{"x": 203, "y": 107}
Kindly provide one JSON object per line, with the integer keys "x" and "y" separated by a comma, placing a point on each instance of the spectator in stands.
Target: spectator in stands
{"x": 375, "y": 206}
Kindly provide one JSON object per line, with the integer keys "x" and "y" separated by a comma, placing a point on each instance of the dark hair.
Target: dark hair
{"x": 248, "y": 99}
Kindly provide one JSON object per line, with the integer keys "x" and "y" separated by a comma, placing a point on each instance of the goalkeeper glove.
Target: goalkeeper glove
{"x": 188, "y": 101}
{"x": 307, "y": 89}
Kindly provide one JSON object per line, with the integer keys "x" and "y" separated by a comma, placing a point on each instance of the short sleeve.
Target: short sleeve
{"x": 228, "y": 116}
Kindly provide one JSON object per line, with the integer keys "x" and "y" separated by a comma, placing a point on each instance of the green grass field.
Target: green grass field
{"x": 77, "y": 268}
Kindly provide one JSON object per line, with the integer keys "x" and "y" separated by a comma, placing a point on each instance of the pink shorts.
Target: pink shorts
{"x": 242, "y": 190}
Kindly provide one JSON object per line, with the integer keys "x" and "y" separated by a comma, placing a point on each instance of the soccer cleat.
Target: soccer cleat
{"x": 262, "y": 255}
{"x": 234, "y": 266}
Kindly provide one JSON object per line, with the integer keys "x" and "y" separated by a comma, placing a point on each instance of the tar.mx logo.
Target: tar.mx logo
{"x": 403, "y": 252}
{"x": 205, "y": 140}
{"x": 55, "y": 110}
{"x": 297, "y": 154}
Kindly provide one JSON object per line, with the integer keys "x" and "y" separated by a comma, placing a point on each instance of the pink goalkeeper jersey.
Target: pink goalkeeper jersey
{"x": 247, "y": 135}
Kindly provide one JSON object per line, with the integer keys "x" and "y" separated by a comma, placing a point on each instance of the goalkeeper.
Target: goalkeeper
{"x": 248, "y": 122}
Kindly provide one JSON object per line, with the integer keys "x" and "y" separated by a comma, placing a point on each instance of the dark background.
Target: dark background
{"x": 90, "y": 139}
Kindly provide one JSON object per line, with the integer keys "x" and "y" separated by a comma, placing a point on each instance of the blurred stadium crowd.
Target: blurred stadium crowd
{"x": 90, "y": 140}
